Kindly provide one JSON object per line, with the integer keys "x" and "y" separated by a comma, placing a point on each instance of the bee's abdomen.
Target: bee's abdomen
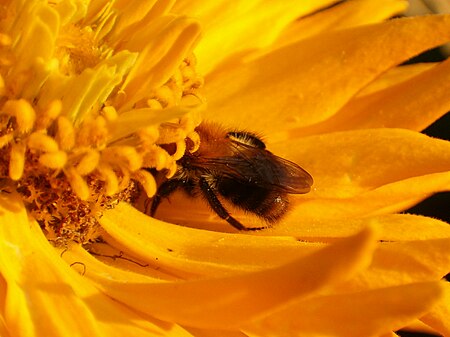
{"x": 267, "y": 204}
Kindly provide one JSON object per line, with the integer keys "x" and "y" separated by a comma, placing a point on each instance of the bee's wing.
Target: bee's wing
{"x": 258, "y": 167}
{"x": 287, "y": 176}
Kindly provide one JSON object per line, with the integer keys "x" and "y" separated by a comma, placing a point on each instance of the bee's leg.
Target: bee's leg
{"x": 166, "y": 189}
{"x": 216, "y": 205}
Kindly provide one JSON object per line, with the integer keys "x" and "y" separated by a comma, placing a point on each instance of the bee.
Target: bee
{"x": 236, "y": 167}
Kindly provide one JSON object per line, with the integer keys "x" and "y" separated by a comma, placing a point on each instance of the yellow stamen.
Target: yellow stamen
{"x": 125, "y": 156}
{"x": 156, "y": 157}
{"x": 6, "y": 139}
{"x": 65, "y": 134}
{"x": 165, "y": 96}
{"x": 54, "y": 160}
{"x": 5, "y": 40}
{"x": 2, "y": 86}
{"x": 124, "y": 180}
{"x": 88, "y": 162}
{"x": 154, "y": 104}
{"x": 181, "y": 149}
{"x": 23, "y": 113}
{"x": 92, "y": 132}
{"x": 195, "y": 139}
{"x": 170, "y": 134}
{"x": 172, "y": 170}
{"x": 17, "y": 161}
{"x": 78, "y": 184}
{"x": 147, "y": 181}
{"x": 66, "y": 126}
{"x": 110, "y": 178}
{"x": 42, "y": 142}
{"x": 148, "y": 135}
{"x": 110, "y": 113}
{"x": 49, "y": 115}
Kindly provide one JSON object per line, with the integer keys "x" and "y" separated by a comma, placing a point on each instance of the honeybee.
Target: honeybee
{"x": 236, "y": 166}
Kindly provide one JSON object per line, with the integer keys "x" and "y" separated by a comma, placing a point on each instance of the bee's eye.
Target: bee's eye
{"x": 246, "y": 138}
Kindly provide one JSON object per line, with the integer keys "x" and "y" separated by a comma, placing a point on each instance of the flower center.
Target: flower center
{"x": 69, "y": 170}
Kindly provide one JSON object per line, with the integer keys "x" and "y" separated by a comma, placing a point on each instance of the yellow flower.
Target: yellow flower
{"x": 94, "y": 96}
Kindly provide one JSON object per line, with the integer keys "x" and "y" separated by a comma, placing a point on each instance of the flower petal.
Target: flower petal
{"x": 391, "y": 227}
{"x": 236, "y": 27}
{"x": 368, "y": 172}
{"x": 108, "y": 262}
{"x": 195, "y": 213}
{"x": 46, "y": 297}
{"x": 35, "y": 291}
{"x": 411, "y": 104}
{"x": 395, "y": 76}
{"x": 300, "y": 84}
{"x": 390, "y": 198}
{"x": 362, "y": 160}
{"x": 228, "y": 302}
{"x": 438, "y": 317}
{"x": 369, "y": 313}
{"x": 190, "y": 252}
{"x": 400, "y": 263}
{"x": 344, "y": 15}
{"x": 133, "y": 16}
{"x": 217, "y": 333}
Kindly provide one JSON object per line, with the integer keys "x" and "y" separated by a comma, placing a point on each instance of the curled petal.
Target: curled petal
{"x": 230, "y": 301}
{"x": 187, "y": 252}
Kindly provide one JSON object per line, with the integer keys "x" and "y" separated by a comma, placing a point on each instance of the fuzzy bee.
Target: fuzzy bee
{"x": 235, "y": 166}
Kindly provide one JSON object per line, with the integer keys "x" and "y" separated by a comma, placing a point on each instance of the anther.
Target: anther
{"x": 180, "y": 151}
{"x": 88, "y": 162}
{"x": 65, "y": 134}
{"x": 110, "y": 113}
{"x": 195, "y": 139}
{"x": 124, "y": 156}
{"x": 49, "y": 114}
{"x": 78, "y": 184}
{"x": 23, "y": 112}
{"x": 110, "y": 178}
{"x": 17, "y": 161}
{"x": 147, "y": 181}
{"x": 42, "y": 142}
{"x": 6, "y": 139}
{"x": 54, "y": 160}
